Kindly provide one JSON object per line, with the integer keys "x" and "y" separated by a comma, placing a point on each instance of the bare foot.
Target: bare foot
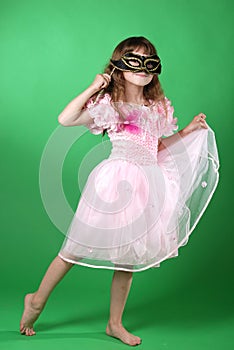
{"x": 30, "y": 315}
{"x": 122, "y": 334}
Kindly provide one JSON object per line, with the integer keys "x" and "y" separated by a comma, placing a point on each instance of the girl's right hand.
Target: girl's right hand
{"x": 101, "y": 81}
{"x": 198, "y": 122}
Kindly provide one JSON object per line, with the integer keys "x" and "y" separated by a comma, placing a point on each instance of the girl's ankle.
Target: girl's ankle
{"x": 113, "y": 323}
{"x": 37, "y": 303}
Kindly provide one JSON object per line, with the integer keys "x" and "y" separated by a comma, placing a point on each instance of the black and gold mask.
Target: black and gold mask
{"x": 133, "y": 62}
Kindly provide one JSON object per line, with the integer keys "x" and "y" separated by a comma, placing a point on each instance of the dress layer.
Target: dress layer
{"x": 140, "y": 205}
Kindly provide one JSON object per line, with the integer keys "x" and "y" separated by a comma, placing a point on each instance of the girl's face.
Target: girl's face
{"x": 138, "y": 79}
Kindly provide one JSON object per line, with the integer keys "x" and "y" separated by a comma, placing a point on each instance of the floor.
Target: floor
{"x": 193, "y": 314}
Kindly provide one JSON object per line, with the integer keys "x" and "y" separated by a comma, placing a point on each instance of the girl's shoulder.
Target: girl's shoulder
{"x": 163, "y": 106}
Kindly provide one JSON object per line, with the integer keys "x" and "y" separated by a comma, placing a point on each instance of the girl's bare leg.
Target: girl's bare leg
{"x": 35, "y": 302}
{"x": 120, "y": 288}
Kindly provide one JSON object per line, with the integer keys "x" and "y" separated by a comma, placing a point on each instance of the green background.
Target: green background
{"x": 51, "y": 51}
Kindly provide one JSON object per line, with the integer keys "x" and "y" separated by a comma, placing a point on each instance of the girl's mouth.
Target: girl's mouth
{"x": 142, "y": 75}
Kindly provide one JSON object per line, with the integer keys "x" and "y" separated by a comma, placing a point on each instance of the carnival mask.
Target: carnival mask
{"x": 133, "y": 62}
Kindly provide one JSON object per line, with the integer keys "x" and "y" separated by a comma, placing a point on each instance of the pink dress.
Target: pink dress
{"x": 140, "y": 205}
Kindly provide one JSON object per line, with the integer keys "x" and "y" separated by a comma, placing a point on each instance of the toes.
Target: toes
{"x": 139, "y": 341}
{"x": 32, "y": 332}
{"x": 22, "y": 330}
{"x": 29, "y": 332}
{"x": 134, "y": 343}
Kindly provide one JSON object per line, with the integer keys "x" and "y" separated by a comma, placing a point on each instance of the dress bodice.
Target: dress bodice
{"x": 134, "y": 130}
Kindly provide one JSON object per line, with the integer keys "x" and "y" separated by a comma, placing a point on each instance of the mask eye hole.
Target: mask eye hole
{"x": 134, "y": 63}
{"x": 150, "y": 65}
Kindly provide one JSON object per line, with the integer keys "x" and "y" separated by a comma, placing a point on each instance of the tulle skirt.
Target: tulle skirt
{"x": 132, "y": 216}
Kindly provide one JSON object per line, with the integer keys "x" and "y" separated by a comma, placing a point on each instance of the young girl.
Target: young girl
{"x": 142, "y": 203}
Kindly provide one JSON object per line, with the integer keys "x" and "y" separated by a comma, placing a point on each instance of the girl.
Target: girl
{"x": 142, "y": 203}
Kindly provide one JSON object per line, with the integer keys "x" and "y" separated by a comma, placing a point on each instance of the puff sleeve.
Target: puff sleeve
{"x": 104, "y": 116}
{"x": 167, "y": 124}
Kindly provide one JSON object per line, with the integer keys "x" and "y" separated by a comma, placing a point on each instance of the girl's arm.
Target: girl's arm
{"x": 198, "y": 122}
{"x": 73, "y": 115}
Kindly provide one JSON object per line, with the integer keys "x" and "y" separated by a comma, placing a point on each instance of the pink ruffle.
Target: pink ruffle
{"x": 105, "y": 117}
{"x": 167, "y": 123}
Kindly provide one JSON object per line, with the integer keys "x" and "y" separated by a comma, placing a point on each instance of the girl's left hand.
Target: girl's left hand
{"x": 198, "y": 122}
